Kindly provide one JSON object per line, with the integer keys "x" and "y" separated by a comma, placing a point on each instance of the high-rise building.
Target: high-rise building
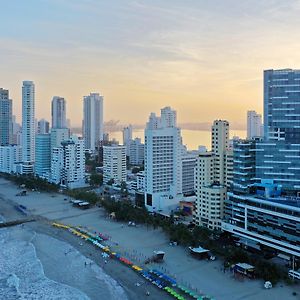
{"x": 92, "y": 120}
{"x": 16, "y": 132}
{"x": 5, "y": 118}
{"x": 127, "y": 138}
{"x": 114, "y": 163}
{"x": 188, "y": 160}
{"x": 43, "y": 155}
{"x": 43, "y": 126}
{"x": 58, "y": 135}
{"x": 263, "y": 208}
{"x": 220, "y": 146}
{"x": 163, "y": 165}
{"x": 254, "y": 124}
{"x": 68, "y": 163}
{"x": 28, "y": 123}
{"x": 213, "y": 175}
{"x": 136, "y": 151}
{"x": 58, "y": 112}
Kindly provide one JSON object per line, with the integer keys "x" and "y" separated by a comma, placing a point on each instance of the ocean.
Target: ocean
{"x": 191, "y": 138}
{"x": 35, "y": 266}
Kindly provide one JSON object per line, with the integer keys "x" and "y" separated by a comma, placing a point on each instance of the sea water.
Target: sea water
{"x": 26, "y": 258}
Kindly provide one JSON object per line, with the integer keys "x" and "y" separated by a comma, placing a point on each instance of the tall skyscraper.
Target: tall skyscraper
{"x": 220, "y": 148}
{"x": 42, "y": 155}
{"x": 28, "y": 122}
{"x": 281, "y": 105}
{"x": 43, "y": 126}
{"x": 263, "y": 206}
{"x": 127, "y": 138}
{"x": 254, "y": 124}
{"x": 5, "y": 118}
{"x": 92, "y": 120}
{"x": 163, "y": 166}
{"x": 213, "y": 174}
{"x": 16, "y": 132}
{"x": 58, "y": 112}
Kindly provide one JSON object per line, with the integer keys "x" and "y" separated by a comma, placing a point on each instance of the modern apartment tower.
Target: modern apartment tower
{"x": 114, "y": 163}
{"x": 254, "y": 124}
{"x": 92, "y": 120}
{"x": 127, "y": 137}
{"x": 68, "y": 163}
{"x": 5, "y": 118}
{"x": 163, "y": 165}
{"x": 263, "y": 208}
{"x": 43, "y": 155}
{"x": 213, "y": 174}
{"x": 28, "y": 123}
{"x": 43, "y": 127}
{"x": 136, "y": 152}
{"x": 58, "y": 112}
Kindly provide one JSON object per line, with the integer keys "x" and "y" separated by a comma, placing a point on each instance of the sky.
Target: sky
{"x": 205, "y": 58}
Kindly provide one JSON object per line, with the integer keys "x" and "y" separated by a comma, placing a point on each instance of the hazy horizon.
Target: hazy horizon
{"x": 203, "y": 58}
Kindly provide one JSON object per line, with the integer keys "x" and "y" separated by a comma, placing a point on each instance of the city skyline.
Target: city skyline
{"x": 141, "y": 55}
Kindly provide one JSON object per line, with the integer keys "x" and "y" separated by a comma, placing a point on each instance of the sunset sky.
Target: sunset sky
{"x": 205, "y": 58}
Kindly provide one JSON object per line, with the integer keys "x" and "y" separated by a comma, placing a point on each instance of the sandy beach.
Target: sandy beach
{"x": 136, "y": 243}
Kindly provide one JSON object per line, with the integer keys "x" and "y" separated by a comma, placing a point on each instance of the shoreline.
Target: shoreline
{"x": 124, "y": 277}
{"x": 137, "y": 243}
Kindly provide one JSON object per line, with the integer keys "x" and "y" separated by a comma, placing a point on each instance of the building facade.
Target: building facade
{"x": 68, "y": 163}
{"x": 43, "y": 155}
{"x": 92, "y": 120}
{"x": 136, "y": 151}
{"x": 213, "y": 176}
{"x": 188, "y": 160}
{"x": 58, "y": 112}
{"x": 163, "y": 164}
{"x": 28, "y": 124}
{"x": 10, "y": 156}
{"x": 264, "y": 205}
{"x": 5, "y": 118}
{"x": 43, "y": 126}
{"x": 254, "y": 124}
{"x": 114, "y": 163}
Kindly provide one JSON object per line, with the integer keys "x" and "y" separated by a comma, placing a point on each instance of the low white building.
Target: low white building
{"x": 114, "y": 163}
{"x": 136, "y": 152}
{"x": 68, "y": 163}
{"x": 9, "y": 156}
{"x": 140, "y": 181}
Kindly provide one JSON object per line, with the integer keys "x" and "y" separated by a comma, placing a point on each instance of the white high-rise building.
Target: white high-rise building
{"x": 136, "y": 152}
{"x": 5, "y": 118}
{"x": 68, "y": 163}
{"x": 43, "y": 126}
{"x": 254, "y": 124}
{"x": 213, "y": 174}
{"x": 17, "y": 132}
{"x": 163, "y": 165}
{"x": 92, "y": 120}
{"x": 10, "y": 155}
{"x": 58, "y": 112}
{"x": 28, "y": 123}
{"x": 58, "y": 135}
{"x": 127, "y": 137}
{"x": 188, "y": 160}
{"x": 114, "y": 163}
